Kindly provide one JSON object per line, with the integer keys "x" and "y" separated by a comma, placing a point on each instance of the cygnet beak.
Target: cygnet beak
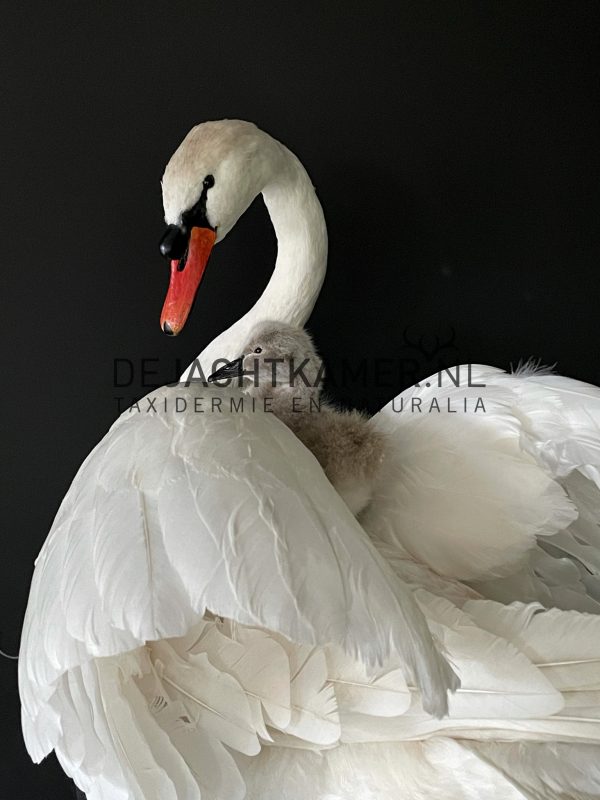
{"x": 232, "y": 369}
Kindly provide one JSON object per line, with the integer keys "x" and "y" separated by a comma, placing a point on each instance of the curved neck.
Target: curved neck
{"x": 301, "y": 262}
{"x": 301, "y": 233}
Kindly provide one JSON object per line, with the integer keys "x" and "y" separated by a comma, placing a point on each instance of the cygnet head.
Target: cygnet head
{"x": 278, "y": 361}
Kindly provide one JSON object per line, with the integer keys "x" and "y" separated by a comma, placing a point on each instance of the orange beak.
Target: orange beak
{"x": 185, "y": 280}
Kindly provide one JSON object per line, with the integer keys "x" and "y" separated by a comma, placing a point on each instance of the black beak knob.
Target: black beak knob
{"x": 174, "y": 242}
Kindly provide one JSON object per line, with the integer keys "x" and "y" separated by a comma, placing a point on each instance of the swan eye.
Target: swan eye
{"x": 196, "y": 216}
{"x": 258, "y": 350}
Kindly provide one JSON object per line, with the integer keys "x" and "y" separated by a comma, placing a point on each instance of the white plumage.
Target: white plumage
{"x": 208, "y": 620}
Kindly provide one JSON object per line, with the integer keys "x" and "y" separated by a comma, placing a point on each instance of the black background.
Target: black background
{"x": 454, "y": 146}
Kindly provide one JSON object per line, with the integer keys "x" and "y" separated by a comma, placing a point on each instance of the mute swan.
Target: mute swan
{"x": 280, "y": 366}
{"x": 208, "y": 619}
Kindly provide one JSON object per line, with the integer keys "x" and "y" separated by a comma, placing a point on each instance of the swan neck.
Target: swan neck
{"x": 299, "y": 224}
{"x": 294, "y": 286}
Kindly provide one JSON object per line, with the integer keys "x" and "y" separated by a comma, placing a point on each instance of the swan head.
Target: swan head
{"x": 210, "y": 180}
{"x": 277, "y": 360}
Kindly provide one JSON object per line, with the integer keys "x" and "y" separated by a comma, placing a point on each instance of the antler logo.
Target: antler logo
{"x": 430, "y": 347}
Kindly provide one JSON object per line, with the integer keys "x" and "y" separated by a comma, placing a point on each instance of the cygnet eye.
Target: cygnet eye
{"x": 258, "y": 350}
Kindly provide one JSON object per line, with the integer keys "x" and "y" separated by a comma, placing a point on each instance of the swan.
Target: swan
{"x": 208, "y": 619}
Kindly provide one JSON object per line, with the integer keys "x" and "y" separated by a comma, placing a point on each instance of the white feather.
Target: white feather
{"x": 541, "y": 771}
{"x": 146, "y": 779}
{"x": 564, "y": 645}
{"x": 213, "y": 699}
{"x": 257, "y": 662}
{"x": 378, "y": 692}
{"x": 212, "y": 766}
{"x": 314, "y": 715}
